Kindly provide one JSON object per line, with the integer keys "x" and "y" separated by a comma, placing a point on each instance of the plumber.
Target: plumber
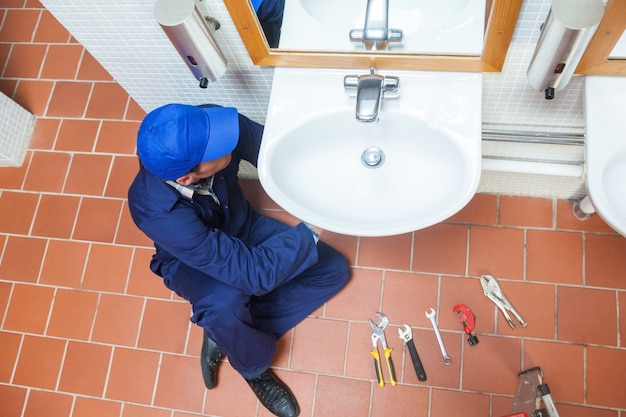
{"x": 249, "y": 278}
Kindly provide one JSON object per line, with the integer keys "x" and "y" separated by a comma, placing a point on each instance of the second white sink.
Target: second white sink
{"x": 418, "y": 165}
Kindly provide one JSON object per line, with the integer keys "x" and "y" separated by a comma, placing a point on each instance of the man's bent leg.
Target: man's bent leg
{"x": 223, "y": 312}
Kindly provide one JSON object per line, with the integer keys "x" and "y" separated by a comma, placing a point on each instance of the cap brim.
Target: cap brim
{"x": 223, "y": 132}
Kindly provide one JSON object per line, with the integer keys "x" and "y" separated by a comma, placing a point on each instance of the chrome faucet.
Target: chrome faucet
{"x": 376, "y": 35}
{"x": 370, "y": 89}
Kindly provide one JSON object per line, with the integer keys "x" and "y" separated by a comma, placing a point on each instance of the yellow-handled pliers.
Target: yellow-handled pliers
{"x": 379, "y": 334}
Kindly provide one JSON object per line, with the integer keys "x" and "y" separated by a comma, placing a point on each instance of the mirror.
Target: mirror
{"x": 596, "y": 58}
{"x": 498, "y": 34}
{"x": 424, "y": 27}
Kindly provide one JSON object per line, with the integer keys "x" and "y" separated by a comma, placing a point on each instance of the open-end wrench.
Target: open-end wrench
{"x": 431, "y": 315}
{"x": 407, "y": 336}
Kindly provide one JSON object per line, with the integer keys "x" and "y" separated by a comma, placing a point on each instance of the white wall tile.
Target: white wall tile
{"x": 16, "y": 129}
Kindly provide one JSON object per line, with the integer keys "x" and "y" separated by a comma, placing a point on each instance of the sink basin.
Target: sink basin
{"x": 605, "y": 148}
{"x": 418, "y": 165}
{"x": 441, "y": 27}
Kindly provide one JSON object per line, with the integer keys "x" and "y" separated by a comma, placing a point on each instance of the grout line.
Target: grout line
{"x": 140, "y": 323}
{"x": 525, "y": 256}
{"x": 556, "y": 310}
{"x": 584, "y": 258}
{"x": 126, "y": 108}
{"x": 52, "y": 302}
{"x": 317, "y": 377}
{"x": 347, "y": 350}
{"x": 97, "y": 136}
{"x": 32, "y": 225}
{"x": 67, "y": 344}
{"x": 461, "y": 361}
{"x": 156, "y": 379}
{"x": 585, "y": 374}
{"x": 79, "y": 64}
{"x": 292, "y": 336}
{"x": 498, "y": 210}
{"x": 467, "y": 249}
{"x": 17, "y": 357}
{"x": 36, "y": 28}
{"x": 382, "y": 290}
{"x": 412, "y": 253}
{"x": 619, "y": 335}
{"x": 371, "y": 402}
{"x": 6, "y": 308}
{"x": 95, "y": 315}
{"x": 87, "y": 255}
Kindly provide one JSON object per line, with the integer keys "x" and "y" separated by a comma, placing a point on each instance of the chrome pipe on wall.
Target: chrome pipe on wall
{"x": 192, "y": 36}
{"x": 564, "y": 37}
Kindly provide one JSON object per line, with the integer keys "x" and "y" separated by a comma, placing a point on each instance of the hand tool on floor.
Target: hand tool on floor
{"x": 407, "y": 336}
{"x": 431, "y": 315}
{"x": 467, "y": 319}
{"x": 492, "y": 290}
{"x": 531, "y": 391}
{"x": 379, "y": 334}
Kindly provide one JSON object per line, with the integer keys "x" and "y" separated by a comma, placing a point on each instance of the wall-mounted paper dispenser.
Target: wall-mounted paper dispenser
{"x": 564, "y": 38}
{"x": 192, "y": 37}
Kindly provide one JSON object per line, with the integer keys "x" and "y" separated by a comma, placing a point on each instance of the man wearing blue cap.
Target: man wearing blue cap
{"x": 249, "y": 278}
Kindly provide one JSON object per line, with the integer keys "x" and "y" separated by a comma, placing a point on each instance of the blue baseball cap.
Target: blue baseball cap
{"x": 173, "y": 139}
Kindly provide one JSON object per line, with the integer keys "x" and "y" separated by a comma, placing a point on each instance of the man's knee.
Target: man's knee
{"x": 220, "y": 309}
{"x": 335, "y": 264}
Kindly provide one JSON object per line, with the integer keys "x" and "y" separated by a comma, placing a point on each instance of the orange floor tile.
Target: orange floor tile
{"x": 87, "y": 330}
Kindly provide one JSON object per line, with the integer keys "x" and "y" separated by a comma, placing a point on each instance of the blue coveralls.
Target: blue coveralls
{"x": 249, "y": 278}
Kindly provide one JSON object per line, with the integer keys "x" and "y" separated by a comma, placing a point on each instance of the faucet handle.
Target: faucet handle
{"x": 351, "y": 84}
{"x": 391, "y": 86}
{"x": 395, "y": 35}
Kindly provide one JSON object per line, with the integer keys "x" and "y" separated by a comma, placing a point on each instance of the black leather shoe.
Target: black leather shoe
{"x": 210, "y": 358}
{"x": 274, "y": 395}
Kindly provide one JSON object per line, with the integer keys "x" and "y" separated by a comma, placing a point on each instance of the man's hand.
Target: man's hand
{"x": 317, "y": 230}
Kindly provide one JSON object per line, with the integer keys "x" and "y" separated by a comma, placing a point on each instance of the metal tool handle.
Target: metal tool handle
{"x": 446, "y": 358}
{"x": 517, "y": 315}
{"x": 417, "y": 363}
{"x": 392, "y": 371}
{"x": 377, "y": 367}
{"x": 444, "y": 353}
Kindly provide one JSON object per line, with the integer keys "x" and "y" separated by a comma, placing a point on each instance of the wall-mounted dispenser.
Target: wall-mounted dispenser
{"x": 192, "y": 36}
{"x": 564, "y": 38}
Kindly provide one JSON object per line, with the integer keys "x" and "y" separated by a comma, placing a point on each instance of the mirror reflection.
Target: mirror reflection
{"x": 270, "y": 15}
{"x": 451, "y": 27}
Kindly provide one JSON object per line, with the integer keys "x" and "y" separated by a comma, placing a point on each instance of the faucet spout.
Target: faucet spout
{"x": 376, "y": 35}
{"x": 375, "y": 32}
{"x": 370, "y": 89}
{"x": 368, "y": 97}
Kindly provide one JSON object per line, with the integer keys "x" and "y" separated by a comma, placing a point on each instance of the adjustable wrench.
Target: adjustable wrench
{"x": 431, "y": 315}
{"x": 407, "y": 336}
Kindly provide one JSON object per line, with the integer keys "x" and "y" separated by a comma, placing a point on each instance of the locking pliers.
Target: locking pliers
{"x": 492, "y": 290}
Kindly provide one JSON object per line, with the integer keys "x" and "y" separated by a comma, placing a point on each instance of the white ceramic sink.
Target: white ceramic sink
{"x": 310, "y": 161}
{"x": 446, "y": 26}
{"x": 605, "y": 147}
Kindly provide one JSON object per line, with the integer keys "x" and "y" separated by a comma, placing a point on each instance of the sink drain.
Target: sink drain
{"x": 373, "y": 157}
